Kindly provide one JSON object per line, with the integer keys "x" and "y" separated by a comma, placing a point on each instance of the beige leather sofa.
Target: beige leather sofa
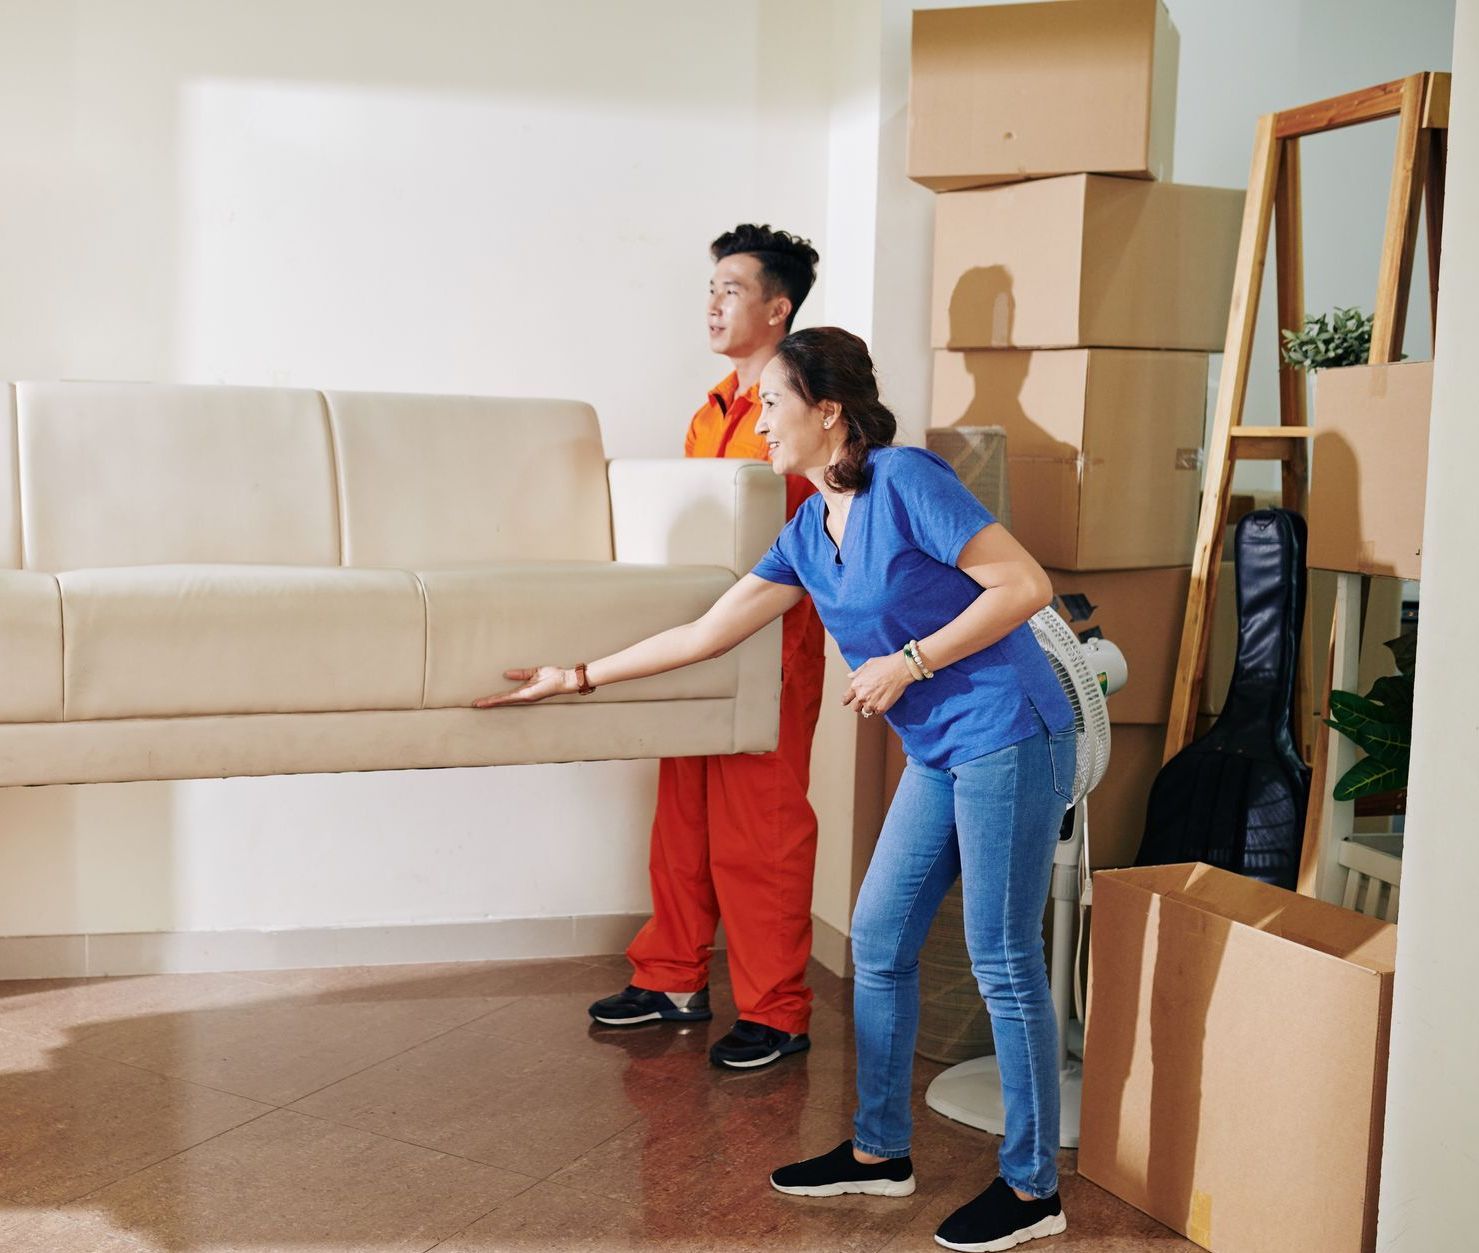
{"x": 210, "y": 581}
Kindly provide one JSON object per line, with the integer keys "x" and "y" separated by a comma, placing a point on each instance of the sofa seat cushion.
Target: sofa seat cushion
{"x": 31, "y": 626}
{"x": 171, "y": 641}
{"x": 484, "y": 619}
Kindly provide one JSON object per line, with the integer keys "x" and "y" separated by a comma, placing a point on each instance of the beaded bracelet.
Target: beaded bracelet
{"x": 911, "y": 651}
{"x": 913, "y": 667}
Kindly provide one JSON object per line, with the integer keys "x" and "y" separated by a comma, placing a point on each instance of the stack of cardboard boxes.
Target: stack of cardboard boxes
{"x": 1076, "y": 297}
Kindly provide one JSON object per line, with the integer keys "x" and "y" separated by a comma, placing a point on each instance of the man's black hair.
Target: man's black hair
{"x": 788, "y": 263}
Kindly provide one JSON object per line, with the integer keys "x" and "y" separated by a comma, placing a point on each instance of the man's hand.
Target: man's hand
{"x": 539, "y": 683}
{"x": 875, "y": 685}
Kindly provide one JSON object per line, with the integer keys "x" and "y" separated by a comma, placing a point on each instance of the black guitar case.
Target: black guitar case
{"x": 1236, "y": 797}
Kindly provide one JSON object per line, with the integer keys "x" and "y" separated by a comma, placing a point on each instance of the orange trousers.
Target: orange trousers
{"x": 735, "y": 838}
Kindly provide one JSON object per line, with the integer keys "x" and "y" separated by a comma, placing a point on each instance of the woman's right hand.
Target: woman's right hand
{"x": 539, "y": 683}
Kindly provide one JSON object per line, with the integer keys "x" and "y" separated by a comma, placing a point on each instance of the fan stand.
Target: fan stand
{"x": 971, "y": 1091}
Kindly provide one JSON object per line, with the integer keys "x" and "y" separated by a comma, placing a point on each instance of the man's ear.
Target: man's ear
{"x": 780, "y": 311}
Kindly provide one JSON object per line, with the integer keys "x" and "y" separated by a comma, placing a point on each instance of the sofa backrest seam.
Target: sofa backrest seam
{"x": 337, "y": 468}
{"x": 425, "y": 637}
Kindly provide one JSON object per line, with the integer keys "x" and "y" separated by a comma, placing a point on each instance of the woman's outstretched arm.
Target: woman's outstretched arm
{"x": 746, "y": 607}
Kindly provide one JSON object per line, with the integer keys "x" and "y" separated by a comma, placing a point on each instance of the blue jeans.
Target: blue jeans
{"x": 994, "y": 822}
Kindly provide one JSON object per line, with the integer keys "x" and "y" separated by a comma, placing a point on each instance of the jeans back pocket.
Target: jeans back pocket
{"x": 1063, "y": 752}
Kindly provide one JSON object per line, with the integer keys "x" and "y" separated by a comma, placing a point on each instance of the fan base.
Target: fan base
{"x": 971, "y": 1093}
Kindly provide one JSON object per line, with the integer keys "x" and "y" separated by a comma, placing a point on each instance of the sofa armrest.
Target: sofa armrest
{"x": 698, "y": 511}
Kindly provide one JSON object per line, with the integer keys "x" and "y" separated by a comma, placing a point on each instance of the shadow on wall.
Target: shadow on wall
{"x": 996, "y": 395}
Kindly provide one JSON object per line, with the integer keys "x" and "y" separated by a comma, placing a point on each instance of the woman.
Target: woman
{"x": 927, "y": 596}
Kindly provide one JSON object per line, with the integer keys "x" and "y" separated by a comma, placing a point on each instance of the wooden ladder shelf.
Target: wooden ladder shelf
{"x": 1420, "y": 103}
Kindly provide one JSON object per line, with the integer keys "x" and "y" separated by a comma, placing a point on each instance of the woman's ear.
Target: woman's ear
{"x": 830, "y": 411}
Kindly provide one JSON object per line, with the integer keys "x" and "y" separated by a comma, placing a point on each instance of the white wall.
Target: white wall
{"x": 1433, "y": 1093}
{"x": 450, "y": 196}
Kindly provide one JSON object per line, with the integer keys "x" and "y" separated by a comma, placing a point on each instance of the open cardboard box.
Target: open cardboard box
{"x": 999, "y": 93}
{"x": 1235, "y": 1060}
{"x": 1369, "y": 473}
{"x": 1085, "y": 261}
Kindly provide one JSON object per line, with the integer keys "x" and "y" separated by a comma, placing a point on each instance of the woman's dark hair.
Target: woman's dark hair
{"x": 827, "y": 363}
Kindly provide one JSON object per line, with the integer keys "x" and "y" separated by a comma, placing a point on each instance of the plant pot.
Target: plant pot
{"x": 1382, "y": 804}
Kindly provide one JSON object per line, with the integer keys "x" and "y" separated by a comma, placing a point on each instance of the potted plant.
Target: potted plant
{"x": 1379, "y": 723}
{"x": 1336, "y": 339}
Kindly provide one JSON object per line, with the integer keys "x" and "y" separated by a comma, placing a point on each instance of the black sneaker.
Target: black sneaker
{"x": 633, "y": 1006}
{"x": 750, "y": 1045}
{"x": 839, "y": 1171}
{"x": 1000, "y": 1219}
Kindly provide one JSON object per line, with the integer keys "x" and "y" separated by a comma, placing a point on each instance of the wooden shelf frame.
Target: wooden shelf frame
{"x": 1273, "y": 209}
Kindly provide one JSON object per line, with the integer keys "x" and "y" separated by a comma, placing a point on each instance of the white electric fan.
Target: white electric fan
{"x": 1089, "y": 671}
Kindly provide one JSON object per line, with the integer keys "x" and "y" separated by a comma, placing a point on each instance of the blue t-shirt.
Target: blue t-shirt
{"x": 895, "y": 579}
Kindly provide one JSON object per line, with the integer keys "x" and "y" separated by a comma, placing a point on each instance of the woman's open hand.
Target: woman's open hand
{"x": 875, "y": 685}
{"x": 539, "y": 683}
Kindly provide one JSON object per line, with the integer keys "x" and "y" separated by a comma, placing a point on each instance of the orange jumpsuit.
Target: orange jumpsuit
{"x": 735, "y": 836}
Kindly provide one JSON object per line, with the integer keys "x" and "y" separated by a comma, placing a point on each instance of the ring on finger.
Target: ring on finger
{"x": 867, "y": 713}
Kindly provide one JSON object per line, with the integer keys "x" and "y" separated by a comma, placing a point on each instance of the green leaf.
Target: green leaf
{"x": 1394, "y": 691}
{"x": 1367, "y": 777}
{"x": 1387, "y": 741}
{"x": 1350, "y": 710}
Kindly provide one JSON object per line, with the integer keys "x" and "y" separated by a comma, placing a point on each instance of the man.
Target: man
{"x": 735, "y": 837}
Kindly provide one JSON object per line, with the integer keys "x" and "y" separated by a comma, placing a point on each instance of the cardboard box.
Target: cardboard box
{"x": 1222, "y": 649}
{"x": 1235, "y": 1060}
{"x": 1085, "y": 261}
{"x": 1103, "y": 448}
{"x": 1117, "y": 805}
{"x": 1143, "y": 612}
{"x": 1007, "y": 92}
{"x": 1369, "y": 473}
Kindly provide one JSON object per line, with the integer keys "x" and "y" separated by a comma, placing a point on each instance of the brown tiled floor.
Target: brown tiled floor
{"x": 466, "y": 1108}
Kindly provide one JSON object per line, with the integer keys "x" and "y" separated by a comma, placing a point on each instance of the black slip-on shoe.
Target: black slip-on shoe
{"x": 751, "y": 1045}
{"x": 633, "y": 1006}
{"x": 1000, "y": 1219}
{"x": 839, "y": 1172}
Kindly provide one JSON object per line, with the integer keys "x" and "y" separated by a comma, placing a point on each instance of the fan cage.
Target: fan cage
{"x": 1090, "y": 712}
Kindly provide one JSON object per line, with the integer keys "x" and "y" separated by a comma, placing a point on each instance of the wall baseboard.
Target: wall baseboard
{"x": 179, "y": 952}
{"x": 496, "y": 939}
{"x": 831, "y": 947}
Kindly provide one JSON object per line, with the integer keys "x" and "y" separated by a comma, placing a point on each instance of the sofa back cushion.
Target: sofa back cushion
{"x": 445, "y": 480}
{"x": 120, "y": 474}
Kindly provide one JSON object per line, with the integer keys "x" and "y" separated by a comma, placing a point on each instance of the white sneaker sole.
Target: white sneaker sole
{"x": 867, "y": 1187}
{"x": 1054, "y": 1224}
{"x": 626, "y": 1022}
{"x": 750, "y": 1065}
